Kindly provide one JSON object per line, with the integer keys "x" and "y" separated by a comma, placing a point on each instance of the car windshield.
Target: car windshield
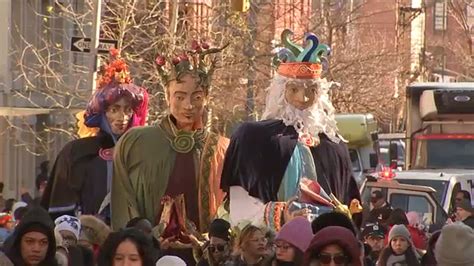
{"x": 385, "y": 151}
{"x": 438, "y": 185}
{"x": 432, "y": 153}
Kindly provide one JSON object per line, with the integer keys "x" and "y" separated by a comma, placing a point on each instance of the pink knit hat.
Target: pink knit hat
{"x": 297, "y": 232}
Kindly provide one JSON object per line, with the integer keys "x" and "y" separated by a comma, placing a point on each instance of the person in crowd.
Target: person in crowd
{"x": 292, "y": 242}
{"x": 9, "y": 205}
{"x": 93, "y": 233}
{"x": 250, "y": 248}
{"x": 19, "y": 209}
{"x": 400, "y": 248}
{"x": 455, "y": 246}
{"x": 333, "y": 219}
{"x": 145, "y": 226}
{"x": 460, "y": 196}
{"x": 7, "y": 225}
{"x": 429, "y": 257}
{"x": 219, "y": 247}
{"x": 33, "y": 242}
{"x": 270, "y": 235}
{"x": 29, "y": 199}
{"x": 418, "y": 237}
{"x": 81, "y": 176}
{"x": 69, "y": 227}
{"x": 42, "y": 177}
{"x": 465, "y": 213}
{"x": 170, "y": 261}
{"x": 333, "y": 245}
{"x": 380, "y": 209}
{"x": 2, "y": 199}
{"x": 373, "y": 235}
{"x": 128, "y": 247}
{"x": 61, "y": 251}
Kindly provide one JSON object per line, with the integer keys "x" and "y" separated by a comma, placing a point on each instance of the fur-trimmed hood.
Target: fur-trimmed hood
{"x": 94, "y": 230}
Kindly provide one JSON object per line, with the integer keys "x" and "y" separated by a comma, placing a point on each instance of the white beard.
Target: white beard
{"x": 316, "y": 119}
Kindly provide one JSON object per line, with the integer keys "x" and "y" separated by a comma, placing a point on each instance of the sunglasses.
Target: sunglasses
{"x": 215, "y": 248}
{"x": 282, "y": 246}
{"x": 327, "y": 258}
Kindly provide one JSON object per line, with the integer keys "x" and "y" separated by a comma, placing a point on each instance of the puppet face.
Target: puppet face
{"x": 119, "y": 114}
{"x": 301, "y": 94}
{"x": 187, "y": 100}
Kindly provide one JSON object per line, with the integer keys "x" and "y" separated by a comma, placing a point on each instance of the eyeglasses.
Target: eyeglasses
{"x": 327, "y": 258}
{"x": 217, "y": 247}
{"x": 282, "y": 246}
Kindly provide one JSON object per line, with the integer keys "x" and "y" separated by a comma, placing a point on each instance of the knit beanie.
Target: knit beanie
{"x": 338, "y": 235}
{"x": 455, "y": 246}
{"x": 220, "y": 228}
{"x": 297, "y": 232}
{"x": 400, "y": 230}
{"x": 170, "y": 261}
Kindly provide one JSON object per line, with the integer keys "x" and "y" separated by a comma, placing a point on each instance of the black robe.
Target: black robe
{"x": 78, "y": 177}
{"x": 259, "y": 153}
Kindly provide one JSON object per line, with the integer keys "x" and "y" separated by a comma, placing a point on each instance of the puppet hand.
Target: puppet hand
{"x": 355, "y": 206}
{"x": 339, "y": 207}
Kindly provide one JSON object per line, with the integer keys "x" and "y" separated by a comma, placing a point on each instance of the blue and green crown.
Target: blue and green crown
{"x": 301, "y": 62}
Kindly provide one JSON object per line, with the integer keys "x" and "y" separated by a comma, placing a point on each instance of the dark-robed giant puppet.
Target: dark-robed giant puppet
{"x": 296, "y": 150}
{"x": 81, "y": 177}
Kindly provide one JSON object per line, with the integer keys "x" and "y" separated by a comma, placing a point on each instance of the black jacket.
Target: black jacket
{"x": 469, "y": 221}
{"x": 36, "y": 216}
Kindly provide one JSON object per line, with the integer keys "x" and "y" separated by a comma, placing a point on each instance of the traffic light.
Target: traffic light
{"x": 240, "y": 5}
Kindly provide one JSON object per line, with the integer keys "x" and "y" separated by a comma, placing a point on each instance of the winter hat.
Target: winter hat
{"x": 373, "y": 229}
{"x": 220, "y": 228}
{"x": 338, "y": 235}
{"x": 400, "y": 230}
{"x": 466, "y": 205}
{"x": 333, "y": 219}
{"x": 297, "y": 232}
{"x": 414, "y": 218}
{"x": 170, "y": 261}
{"x": 17, "y": 205}
{"x": 455, "y": 245}
{"x": 68, "y": 223}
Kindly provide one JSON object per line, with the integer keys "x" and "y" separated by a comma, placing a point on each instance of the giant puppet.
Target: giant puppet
{"x": 82, "y": 174}
{"x": 296, "y": 149}
{"x": 170, "y": 172}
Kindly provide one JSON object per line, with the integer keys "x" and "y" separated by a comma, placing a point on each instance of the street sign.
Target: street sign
{"x": 81, "y": 44}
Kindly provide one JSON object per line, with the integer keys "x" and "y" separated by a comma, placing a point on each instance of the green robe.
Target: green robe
{"x": 143, "y": 161}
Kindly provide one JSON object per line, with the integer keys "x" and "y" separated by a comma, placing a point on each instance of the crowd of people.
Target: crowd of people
{"x": 31, "y": 237}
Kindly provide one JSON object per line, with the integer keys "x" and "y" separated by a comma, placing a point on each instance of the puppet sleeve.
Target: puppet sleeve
{"x": 123, "y": 199}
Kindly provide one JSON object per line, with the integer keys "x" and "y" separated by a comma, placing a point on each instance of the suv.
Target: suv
{"x": 420, "y": 199}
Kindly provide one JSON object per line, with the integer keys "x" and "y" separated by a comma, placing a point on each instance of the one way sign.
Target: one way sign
{"x": 81, "y": 44}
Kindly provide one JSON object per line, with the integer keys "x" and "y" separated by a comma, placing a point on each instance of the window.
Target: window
{"x": 356, "y": 164}
{"x": 414, "y": 203}
{"x": 440, "y": 15}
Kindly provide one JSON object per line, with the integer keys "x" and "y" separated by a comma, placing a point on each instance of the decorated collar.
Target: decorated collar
{"x": 182, "y": 141}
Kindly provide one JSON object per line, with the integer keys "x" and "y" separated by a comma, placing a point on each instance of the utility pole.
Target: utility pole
{"x": 250, "y": 52}
{"x": 95, "y": 43}
{"x": 393, "y": 125}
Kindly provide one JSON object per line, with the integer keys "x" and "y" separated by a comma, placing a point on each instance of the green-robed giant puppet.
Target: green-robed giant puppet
{"x": 170, "y": 172}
